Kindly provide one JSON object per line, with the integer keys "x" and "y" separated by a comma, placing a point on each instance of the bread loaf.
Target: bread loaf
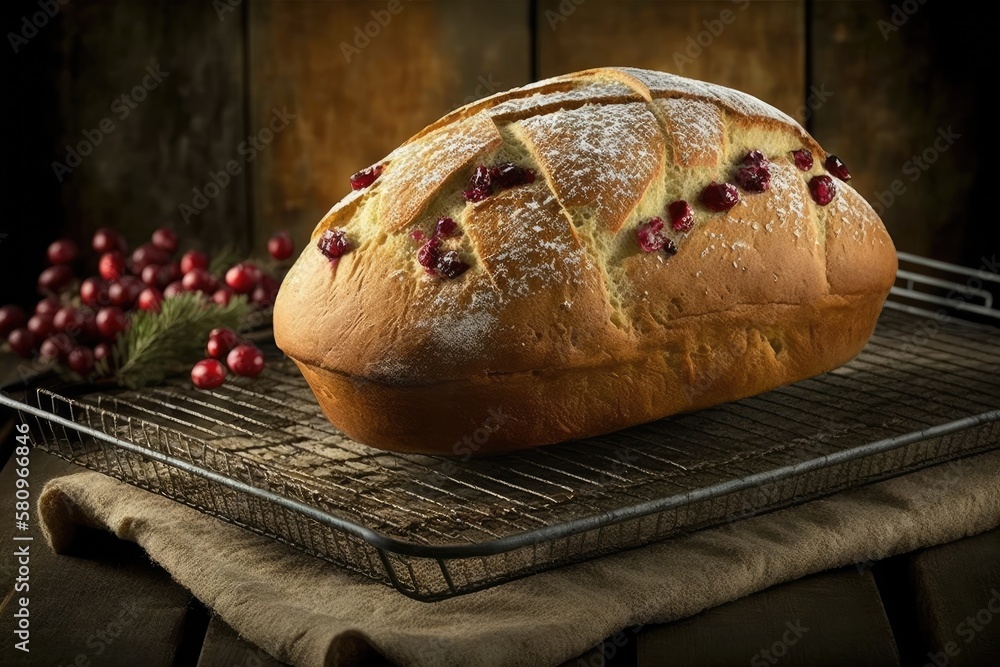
{"x": 522, "y": 271}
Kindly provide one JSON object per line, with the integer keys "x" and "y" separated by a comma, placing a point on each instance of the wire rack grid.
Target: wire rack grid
{"x": 259, "y": 454}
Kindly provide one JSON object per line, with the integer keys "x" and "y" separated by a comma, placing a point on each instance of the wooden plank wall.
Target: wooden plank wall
{"x": 874, "y": 95}
{"x": 172, "y": 133}
{"x": 360, "y": 88}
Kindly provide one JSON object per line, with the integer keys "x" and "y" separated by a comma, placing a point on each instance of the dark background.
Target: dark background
{"x": 874, "y": 81}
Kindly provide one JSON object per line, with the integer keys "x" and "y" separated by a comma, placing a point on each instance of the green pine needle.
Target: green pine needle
{"x": 159, "y": 344}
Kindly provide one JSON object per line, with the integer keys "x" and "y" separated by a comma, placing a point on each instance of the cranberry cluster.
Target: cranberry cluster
{"x": 430, "y": 256}
{"x": 80, "y": 332}
{"x": 242, "y": 359}
{"x": 753, "y": 174}
{"x": 486, "y": 181}
{"x": 821, "y": 187}
{"x": 651, "y": 236}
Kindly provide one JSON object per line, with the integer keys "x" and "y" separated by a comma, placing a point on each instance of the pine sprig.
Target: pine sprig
{"x": 225, "y": 258}
{"x": 159, "y": 344}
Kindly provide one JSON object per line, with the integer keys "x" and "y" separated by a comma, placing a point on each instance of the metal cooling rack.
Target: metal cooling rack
{"x": 258, "y": 453}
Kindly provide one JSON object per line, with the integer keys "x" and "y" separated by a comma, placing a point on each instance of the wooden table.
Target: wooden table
{"x": 107, "y": 604}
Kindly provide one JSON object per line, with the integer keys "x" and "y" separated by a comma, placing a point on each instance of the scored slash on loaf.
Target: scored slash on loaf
{"x": 586, "y": 253}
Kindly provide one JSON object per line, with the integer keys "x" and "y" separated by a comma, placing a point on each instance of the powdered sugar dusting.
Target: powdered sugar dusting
{"x": 526, "y": 243}
{"x": 460, "y": 334}
{"x": 601, "y": 155}
{"x": 592, "y": 92}
{"x": 788, "y": 197}
{"x": 697, "y": 129}
{"x": 854, "y": 214}
{"x": 417, "y": 171}
{"x": 661, "y": 84}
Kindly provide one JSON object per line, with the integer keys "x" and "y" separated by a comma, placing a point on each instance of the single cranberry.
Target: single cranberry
{"x": 476, "y": 194}
{"x": 94, "y": 292}
{"x": 165, "y": 239}
{"x": 508, "y": 175}
{"x": 245, "y": 360}
{"x": 40, "y": 325}
{"x": 220, "y": 342}
{"x": 720, "y": 197}
{"x": 265, "y": 293}
{"x": 450, "y": 265}
{"x": 63, "y": 251}
{"x": 111, "y": 321}
{"x": 803, "y": 159}
{"x": 222, "y": 296}
{"x": 334, "y": 243}
{"x": 280, "y": 246}
{"x": 365, "y": 177}
{"x": 111, "y": 266}
{"x": 21, "y": 342}
{"x": 480, "y": 184}
{"x": 681, "y": 216}
{"x": 192, "y": 260}
{"x": 837, "y": 168}
{"x": 650, "y": 235}
{"x": 108, "y": 240}
{"x": 148, "y": 254}
{"x": 753, "y": 179}
{"x": 243, "y": 278}
{"x": 150, "y": 299}
{"x": 170, "y": 272}
{"x": 55, "y": 278}
{"x": 446, "y": 227}
{"x": 48, "y": 306}
{"x": 11, "y": 317}
{"x": 151, "y": 275}
{"x": 56, "y": 347}
{"x": 822, "y": 189}
{"x": 68, "y": 320}
{"x": 199, "y": 280}
{"x": 754, "y": 175}
{"x": 124, "y": 291}
{"x": 429, "y": 254}
{"x": 81, "y": 360}
{"x": 103, "y": 351}
{"x": 89, "y": 333}
{"x": 208, "y": 374}
{"x": 173, "y": 289}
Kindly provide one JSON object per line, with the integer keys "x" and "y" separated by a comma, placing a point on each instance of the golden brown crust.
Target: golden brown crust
{"x": 562, "y": 322}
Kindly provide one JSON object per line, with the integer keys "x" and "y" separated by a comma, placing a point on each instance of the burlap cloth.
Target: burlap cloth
{"x": 307, "y": 612}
